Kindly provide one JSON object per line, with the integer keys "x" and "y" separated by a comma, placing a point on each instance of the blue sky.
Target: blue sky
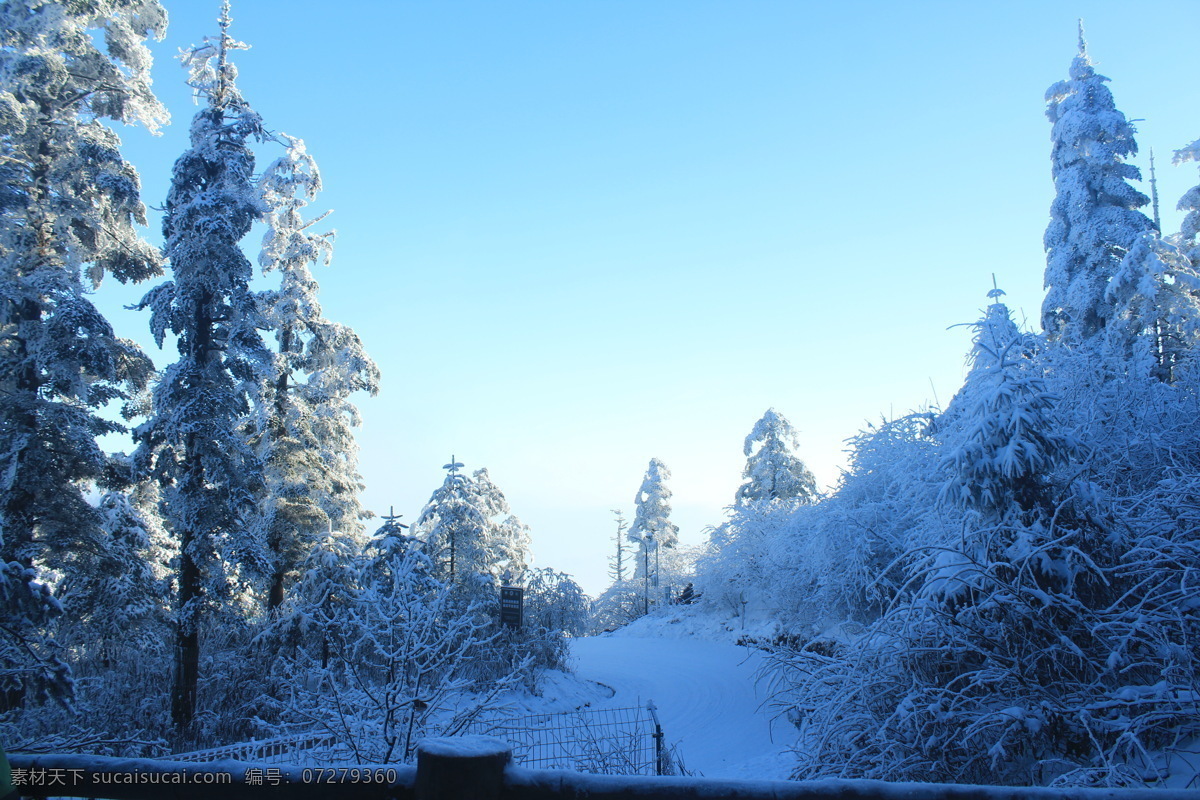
{"x": 579, "y": 235}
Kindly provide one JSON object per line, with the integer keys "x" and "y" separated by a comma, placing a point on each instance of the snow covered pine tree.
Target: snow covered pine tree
{"x": 303, "y": 431}
{"x": 68, "y": 205}
{"x": 193, "y": 443}
{"x": 652, "y": 527}
{"x": 1094, "y": 219}
{"x": 472, "y": 536}
{"x": 773, "y": 470}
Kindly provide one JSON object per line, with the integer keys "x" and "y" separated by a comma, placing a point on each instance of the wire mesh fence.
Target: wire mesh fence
{"x": 294, "y": 748}
{"x": 609, "y": 741}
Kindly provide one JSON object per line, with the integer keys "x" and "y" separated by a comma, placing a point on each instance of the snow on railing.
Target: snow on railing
{"x": 474, "y": 768}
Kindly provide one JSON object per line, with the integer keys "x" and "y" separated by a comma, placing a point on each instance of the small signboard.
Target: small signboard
{"x": 512, "y": 605}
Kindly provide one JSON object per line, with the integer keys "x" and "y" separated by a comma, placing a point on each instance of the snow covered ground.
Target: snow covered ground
{"x": 706, "y": 698}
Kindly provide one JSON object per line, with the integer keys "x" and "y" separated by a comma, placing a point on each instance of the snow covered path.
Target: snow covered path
{"x": 705, "y": 695}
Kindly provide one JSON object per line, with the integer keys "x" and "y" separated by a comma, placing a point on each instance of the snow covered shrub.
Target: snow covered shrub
{"x": 620, "y": 604}
{"x": 733, "y": 570}
{"x": 1041, "y": 654}
{"x": 812, "y": 565}
{"x": 32, "y": 668}
{"x": 1048, "y": 639}
{"x": 554, "y": 601}
{"x": 840, "y": 559}
{"x": 381, "y": 658}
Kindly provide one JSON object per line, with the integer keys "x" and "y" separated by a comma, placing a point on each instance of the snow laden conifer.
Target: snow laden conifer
{"x": 471, "y": 535}
{"x": 616, "y": 569}
{"x": 652, "y": 527}
{"x": 773, "y": 471}
{"x": 555, "y": 602}
{"x": 1156, "y": 310}
{"x": 303, "y": 432}
{"x": 69, "y": 203}
{"x": 777, "y": 482}
{"x": 1005, "y": 443}
{"x": 454, "y": 527}
{"x": 1094, "y": 219}
{"x": 193, "y": 443}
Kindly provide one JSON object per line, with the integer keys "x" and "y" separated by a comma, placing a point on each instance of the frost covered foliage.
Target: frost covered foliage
{"x": 1156, "y": 310}
{"x": 117, "y": 635}
{"x": 193, "y": 443}
{"x": 812, "y": 565}
{"x": 303, "y": 432}
{"x": 380, "y": 656}
{"x": 777, "y": 482}
{"x": 476, "y": 545}
{"x": 621, "y": 603}
{"x": 34, "y": 670}
{"x": 69, "y": 204}
{"x": 1002, "y": 443}
{"x": 119, "y": 596}
{"x": 1190, "y": 203}
{"x": 554, "y": 601}
{"x": 652, "y": 527}
{"x": 1023, "y": 565}
{"x": 1049, "y": 634}
{"x": 1094, "y": 219}
{"x": 471, "y": 535}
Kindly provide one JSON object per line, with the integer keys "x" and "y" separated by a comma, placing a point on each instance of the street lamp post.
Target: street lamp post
{"x": 657, "y": 567}
{"x": 646, "y": 571}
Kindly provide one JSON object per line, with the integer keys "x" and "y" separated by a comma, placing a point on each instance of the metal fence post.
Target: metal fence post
{"x": 658, "y": 738}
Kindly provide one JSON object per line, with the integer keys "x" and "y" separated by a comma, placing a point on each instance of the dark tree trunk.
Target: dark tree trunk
{"x": 187, "y": 645}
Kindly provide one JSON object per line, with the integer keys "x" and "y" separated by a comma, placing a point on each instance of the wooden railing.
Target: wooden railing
{"x": 471, "y": 768}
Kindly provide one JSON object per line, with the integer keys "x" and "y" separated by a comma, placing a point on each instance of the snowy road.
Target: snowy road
{"x": 705, "y": 695}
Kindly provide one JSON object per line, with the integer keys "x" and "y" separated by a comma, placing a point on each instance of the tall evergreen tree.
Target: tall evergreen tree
{"x": 773, "y": 470}
{"x": 304, "y": 431}
{"x": 69, "y": 203}
{"x": 1094, "y": 219}
{"x": 652, "y": 527}
{"x": 192, "y": 442}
